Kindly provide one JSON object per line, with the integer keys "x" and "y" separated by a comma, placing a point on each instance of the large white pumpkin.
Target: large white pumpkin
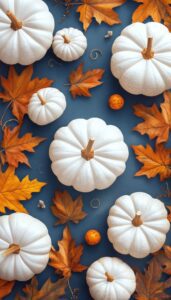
{"x": 138, "y": 224}
{"x": 69, "y": 44}
{"x": 141, "y": 58}
{"x": 46, "y": 106}
{"x": 109, "y": 278}
{"x": 88, "y": 154}
{"x": 24, "y": 247}
{"x": 26, "y": 31}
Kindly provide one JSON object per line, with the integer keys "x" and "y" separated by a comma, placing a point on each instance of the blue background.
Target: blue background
{"x": 96, "y": 106}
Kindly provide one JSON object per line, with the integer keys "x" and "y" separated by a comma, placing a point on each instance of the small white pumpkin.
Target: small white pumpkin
{"x": 141, "y": 58}
{"x": 69, "y": 44}
{"x": 26, "y": 31}
{"x": 109, "y": 278}
{"x": 46, "y": 106}
{"x": 137, "y": 224}
{"x": 88, "y": 154}
{"x": 24, "y": 247}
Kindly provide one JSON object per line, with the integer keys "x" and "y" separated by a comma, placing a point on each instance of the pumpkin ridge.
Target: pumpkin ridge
{"x": 162, "y": 74}
{"x": 76, "y": 136}
{"x": 131, "y": 66}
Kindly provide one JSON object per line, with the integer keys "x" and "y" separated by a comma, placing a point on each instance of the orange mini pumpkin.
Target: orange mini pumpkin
{"x": 116, "y": 101}
{"x": 92, "y": 237}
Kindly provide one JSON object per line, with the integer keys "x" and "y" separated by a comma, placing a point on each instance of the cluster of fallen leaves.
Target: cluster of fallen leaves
{"x": 150, "y": 284}
{"x": 67, "y": 259}
{"x": 103, "y": 11}
{"x": 157, "y": 125}
{"x": 17, "y": 90}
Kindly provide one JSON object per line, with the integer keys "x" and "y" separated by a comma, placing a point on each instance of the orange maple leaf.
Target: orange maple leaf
{"x": 101, "y": 10}
{"x": 13, "y": 190}
{"x": 82, "y": 82}
{"x": 163, "y": 257}
{"x": 13, "y": 146}
{"x": 67, "y": 259}
{"x": 158, "y": 10}
{"x": 5, "y": 288}
{"x": 18, "y": 89}
{"x": 157, "y": 123}
{"x": 49, "y": 291}
{"x": 156, "y": 162}
{"x": 149, "y": 285}
{"x": 66, "y": 209}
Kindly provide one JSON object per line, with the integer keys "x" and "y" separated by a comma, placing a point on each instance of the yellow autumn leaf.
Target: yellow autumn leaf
{"x": 13, "y": 190}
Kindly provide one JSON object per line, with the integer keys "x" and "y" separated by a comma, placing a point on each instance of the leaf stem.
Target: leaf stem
{"x": 4, "y": 113}
{"x": 70, "y": 289}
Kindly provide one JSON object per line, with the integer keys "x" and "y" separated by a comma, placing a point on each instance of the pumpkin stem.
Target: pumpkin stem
{"x": 66, "y": 39}
{"x": 109, "y": 277}
{"x": 137, "y": 221}
{"x": 88, "y": 152}
{"x": 42, "y": 100}
{"x": 147, "y": 52}
{"x": 15, "y": 23}
{"x": 13, "y": 249}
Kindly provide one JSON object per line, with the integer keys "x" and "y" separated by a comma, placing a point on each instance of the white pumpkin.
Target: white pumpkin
{"x": 141, "y": 58}
{"x": 109, "y": 278}
{"x": 26, "y": 31}
{"x": 24, "y": 247}
{"x": 88, "y": 154}
{"x": 137, "y": 225}
{"x": 69, "y": 44}
{"x": 46, "y": 106}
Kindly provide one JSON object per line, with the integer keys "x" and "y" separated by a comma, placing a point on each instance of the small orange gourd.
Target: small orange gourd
{"x": 116, "y": 101}
{"x": 92, "y": 237}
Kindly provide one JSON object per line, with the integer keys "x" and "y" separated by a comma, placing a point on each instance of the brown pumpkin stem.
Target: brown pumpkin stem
{"x": 109, "y": 277}
{"x": 66, "y": 39}
{"x": 148, "y": 53}
{"x": 42, "y": 100}
{"x": 137, "y": 221}
{"x": 13, "y": 249}
{"x": 88, "y": 152}
{"x": 15, "y": 23}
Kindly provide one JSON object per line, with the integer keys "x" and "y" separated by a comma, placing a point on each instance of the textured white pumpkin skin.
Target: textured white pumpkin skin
{"x": 72, "y": 50}
{"x": 51, "y": 110}
{"x": 31, "y": 42}
{"x": 138, "y": 75}
{"x": 121, "y": 288}
{"x": 110, "y": 154}
{"x": 145, "y": 239}
{"x": 33, "y": 238}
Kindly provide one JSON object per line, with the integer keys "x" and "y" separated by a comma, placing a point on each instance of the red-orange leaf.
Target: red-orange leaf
{"x": 157, "y": 124}
{"x": 100, "y": 10}
{"x": 5, "y": 288}
{"x": 82, "y": 82}
{"x": 156, "y": 162}
{"x": 67, "y": 259}
{"x": 18, "y": 89}
{"x": 13, "y": 146}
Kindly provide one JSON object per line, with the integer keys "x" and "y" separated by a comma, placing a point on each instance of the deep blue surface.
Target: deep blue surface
{"x": 82, "y": 107}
